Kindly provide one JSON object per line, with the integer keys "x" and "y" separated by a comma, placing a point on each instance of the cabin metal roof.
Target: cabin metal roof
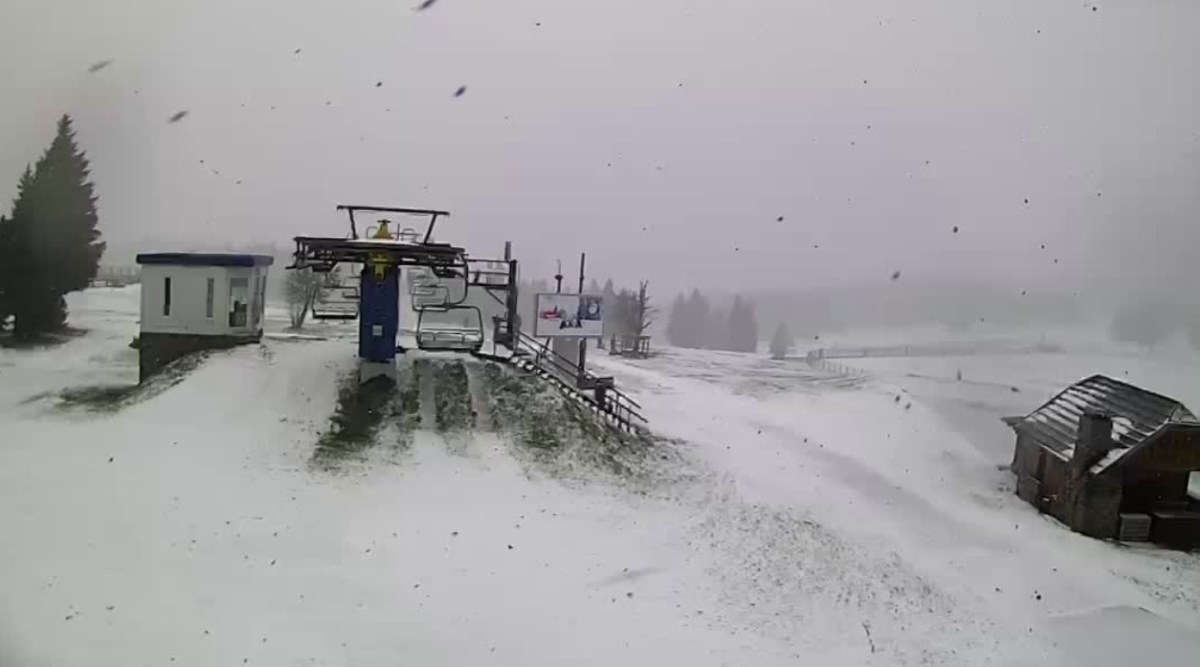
{"x": 1138, "y": 415}
{"x": 204, "y": 259}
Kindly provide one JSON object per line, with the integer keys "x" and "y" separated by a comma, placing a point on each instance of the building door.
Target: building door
{"x": 239, "y": 302}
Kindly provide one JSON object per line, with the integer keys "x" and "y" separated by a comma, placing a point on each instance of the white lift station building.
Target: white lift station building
{"x": 198, "y": 301}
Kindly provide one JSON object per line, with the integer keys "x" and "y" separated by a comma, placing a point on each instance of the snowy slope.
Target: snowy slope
{"x": 870, "y": 461}
{"x": 188, "y": 526}
{"x": 813, "y": 520}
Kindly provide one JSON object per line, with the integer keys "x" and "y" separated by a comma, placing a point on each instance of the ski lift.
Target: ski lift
{"x": 434, "y": 296}
{"x": 336, "y": 303}
{"x": 428, "y": 288}
{"x": 445, "y": 336}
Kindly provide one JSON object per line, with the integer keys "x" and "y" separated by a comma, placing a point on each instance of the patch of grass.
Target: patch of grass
{"x": 112, "y": 398}
{"x": 453, "y": 398}
{"x": 407, "y": 407}
{"x": 409, "y": 400}
{"x": 524, "y": 406}
{"x": 361, "y": 408}
{"x": 66, "y": 335}
{"x": 565, "y": 438}
{"x": 98, "y": 397}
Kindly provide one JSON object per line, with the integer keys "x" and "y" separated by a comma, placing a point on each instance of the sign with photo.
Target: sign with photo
{"x": 569, "y": 315}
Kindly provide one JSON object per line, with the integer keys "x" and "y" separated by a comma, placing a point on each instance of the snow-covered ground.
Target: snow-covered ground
{"x": 816, "y": 518}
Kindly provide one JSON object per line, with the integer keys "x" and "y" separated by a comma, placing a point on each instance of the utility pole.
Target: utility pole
{"x": 582, "y": 341}
{"x": 512, "y": 299}
{"x": 558, "y": 279}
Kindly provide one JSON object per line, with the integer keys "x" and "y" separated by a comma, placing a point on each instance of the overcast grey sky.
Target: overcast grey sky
{"x": 872, "y": 126}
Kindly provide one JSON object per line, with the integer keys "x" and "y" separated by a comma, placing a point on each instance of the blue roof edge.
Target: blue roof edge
{"x": 204, "y": 259}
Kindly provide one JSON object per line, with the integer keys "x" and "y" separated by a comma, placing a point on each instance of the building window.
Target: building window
{"x": 167, "y": 296}
{"x": 239, "y": 301}
{"x": 210, "y": 288}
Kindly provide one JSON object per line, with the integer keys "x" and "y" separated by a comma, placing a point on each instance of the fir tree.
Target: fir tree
{"x": 676, "y": 321}
{"x": 781, "y": 341}
{"x": 743, "y": 330}
{"x": 735, "y": 325}
{"x": 609, "y": 296}
{"x": 750, "y": 332}
{"x": 716, "y": 331}
{"x": 53, "y": 234}
{"x": 696, "y": 329}
{"x": 36, "y": 309}
{"x": 7, "y": 258}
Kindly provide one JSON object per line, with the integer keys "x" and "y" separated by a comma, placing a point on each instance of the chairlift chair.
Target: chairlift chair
{"x": 447, "y": 337}
{"x": 436, "y": 296}
{"x": 336, "y": 303}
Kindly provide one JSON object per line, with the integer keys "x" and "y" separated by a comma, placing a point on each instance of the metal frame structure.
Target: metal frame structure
{"x": 322, "y": 253}
{"x": 433, "y": 213}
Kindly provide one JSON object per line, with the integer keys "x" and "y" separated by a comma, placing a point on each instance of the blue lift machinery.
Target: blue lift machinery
{"x": 382, "y": 252}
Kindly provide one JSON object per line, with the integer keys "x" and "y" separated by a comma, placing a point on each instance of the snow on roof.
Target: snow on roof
{"x": 1137, "y": 415}
{"x": 204, "y": 259}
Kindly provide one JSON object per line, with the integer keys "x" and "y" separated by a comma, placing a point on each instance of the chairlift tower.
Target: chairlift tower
{"x": 383, "y": 252}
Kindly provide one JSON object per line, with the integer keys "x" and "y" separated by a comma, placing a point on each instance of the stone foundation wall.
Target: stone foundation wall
{"x": 156, "y": 350}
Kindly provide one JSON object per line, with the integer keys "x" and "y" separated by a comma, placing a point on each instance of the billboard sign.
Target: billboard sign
{"x": 569, "y": 316}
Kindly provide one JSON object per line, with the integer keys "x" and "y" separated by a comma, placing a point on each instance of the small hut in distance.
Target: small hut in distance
{"x": 1112, "y": 460}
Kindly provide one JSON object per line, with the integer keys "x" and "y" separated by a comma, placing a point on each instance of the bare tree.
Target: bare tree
{"x": 301, "y": 289}
{"x": 643, "y": 312}
{"x": 631, "y": 313}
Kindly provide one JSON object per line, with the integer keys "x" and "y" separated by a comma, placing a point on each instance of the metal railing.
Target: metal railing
{"x": 609, "y": 400}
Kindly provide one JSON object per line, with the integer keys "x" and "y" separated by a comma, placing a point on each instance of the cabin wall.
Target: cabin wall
{"x": 1097, "y": 506}
{"x": 1028, "y": 464}
{"x": 190, "y": 309}
{"x": 1146, "y": 490}
{"x": 1174, "y": 451}
{"x": 188, "y": 312}
{"x": 1056, "y": 490}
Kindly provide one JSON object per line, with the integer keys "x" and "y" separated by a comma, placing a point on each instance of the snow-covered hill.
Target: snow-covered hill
{"x": 793, "y": 516}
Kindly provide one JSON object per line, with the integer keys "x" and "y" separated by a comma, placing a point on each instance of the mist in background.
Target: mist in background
{"x": 666, "y": 139}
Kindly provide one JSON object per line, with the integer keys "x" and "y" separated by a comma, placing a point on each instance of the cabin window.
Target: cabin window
{"x": 239, "y": 301}
{"x": 167, "y": 296}
{"x": 210, "y": 288}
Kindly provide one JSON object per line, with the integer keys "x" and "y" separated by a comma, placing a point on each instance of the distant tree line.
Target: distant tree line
{"x": 49, "y": 244}
{"x": 1149, "y": 323}
{"x": 693, "y": 323}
